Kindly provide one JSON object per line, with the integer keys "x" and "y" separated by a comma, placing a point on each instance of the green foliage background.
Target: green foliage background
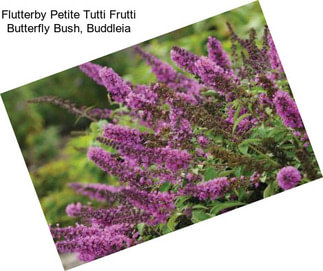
{"x": 54, "y": 145}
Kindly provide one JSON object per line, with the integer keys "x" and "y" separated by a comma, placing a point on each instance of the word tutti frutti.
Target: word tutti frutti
{"x": 112, "y": 14}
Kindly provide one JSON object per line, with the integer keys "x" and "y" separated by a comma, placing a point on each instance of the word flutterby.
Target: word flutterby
{"x": 20, "y": 14}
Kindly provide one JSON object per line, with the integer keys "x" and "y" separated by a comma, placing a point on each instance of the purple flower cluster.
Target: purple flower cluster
{"x": 120, "y": 214}
{"x": 273, "y": 55}
{"x": 116, "y": 86}
{"x": 166, "y": 74}
{"x": 181, "y": 128}
{"x": 217, "y": 54}
{"x": 123, "y": 134}
{"x": 212, "y": 189}
{"x": 264, "y": 99}
{"x": 214, "y": 76}
{"x": 288, "y": 177}
{"x": 158, "y": 205}
{"x": 123, "y": 169}
{"x": 101, "y": 113}
{"x": 287, "y": 110}
{"x": 73, "y": 209}
{"x": 93, "y": 71}
{"x": 184, "y": 59}
{"x": 203, "y": 141}
{"x": 141, "y": 97}
{"x": 214, "y": 71}
{"x": 92, "y": 242}
{"x": 130, "y": 145}
{"x": 98, "y": 191}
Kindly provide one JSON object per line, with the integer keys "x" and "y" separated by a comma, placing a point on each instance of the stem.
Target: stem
{"x": 276, "y": 164}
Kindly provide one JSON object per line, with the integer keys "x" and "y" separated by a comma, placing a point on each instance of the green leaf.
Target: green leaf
{"x": 257, "y": 89}
{"x": 171, "y": 224}
{"x": 271, "y": 189}
{"x": 244, "y": 145}
{"x": 237, "y": 171}
{"x": 243, "y": 148}
{"x": 209, "y": 92}
{"x": 268, "y": 110}
{"x": 209, "y": 174}
{"x": 198, "y": 215}
{"x": 165, "y": 187}
{"x": 195, "y": 171}
{"x": 200, "y": 206}
{"x": 225, "y": 205}
{"x": 181, "y": 200}
{"x": 225, "y": 173}
{"x": 237, "y": 113}
{"x": 141, "y": 227}
{"x": 165, "y": 229}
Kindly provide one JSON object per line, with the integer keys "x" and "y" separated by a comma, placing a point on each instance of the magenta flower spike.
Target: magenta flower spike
{"x": 184, "y": 59}
{"x": 92, "y": 70}
{"x": 114, "y": 84}
{"x": 273, "y": 55}
{"x": 287, "y": 110}
{"x": 213, "y": 75}
{"x": 166, "y": 74}
{"x": 217, "y": 54}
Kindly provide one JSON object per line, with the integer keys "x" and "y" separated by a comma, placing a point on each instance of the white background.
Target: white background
{"x": 283, "y": 232}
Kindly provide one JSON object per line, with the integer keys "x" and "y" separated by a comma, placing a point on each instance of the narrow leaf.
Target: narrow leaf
{"x": 225, "y": 205}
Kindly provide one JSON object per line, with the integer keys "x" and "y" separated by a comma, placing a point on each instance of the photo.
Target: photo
{"x": 162, "y": 135}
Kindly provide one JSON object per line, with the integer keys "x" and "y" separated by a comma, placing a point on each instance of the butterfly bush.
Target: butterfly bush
{"x": 222, "y": 132}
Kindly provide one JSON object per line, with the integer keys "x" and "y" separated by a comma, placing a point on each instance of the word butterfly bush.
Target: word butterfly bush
{"x": 223, "y": 134}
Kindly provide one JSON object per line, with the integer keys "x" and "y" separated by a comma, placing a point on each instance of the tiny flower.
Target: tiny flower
{"x": 203, "y": 140}
{"x": 255, "y": 179}
{"x": 73, "y": 210}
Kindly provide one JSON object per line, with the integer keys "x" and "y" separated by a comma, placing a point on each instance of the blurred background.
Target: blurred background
{"x": 54, "y": 143}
